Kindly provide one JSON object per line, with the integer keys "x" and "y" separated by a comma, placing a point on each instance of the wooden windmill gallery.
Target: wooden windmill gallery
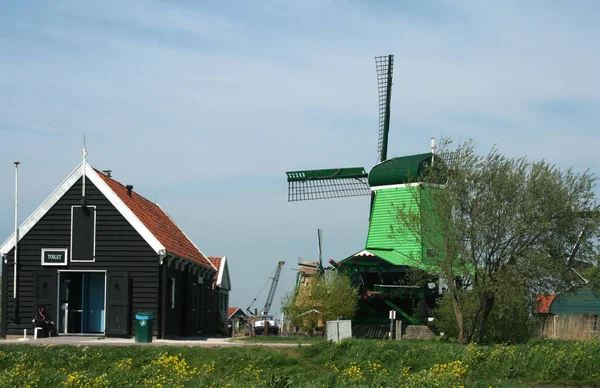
{"x": 380, "y": 270}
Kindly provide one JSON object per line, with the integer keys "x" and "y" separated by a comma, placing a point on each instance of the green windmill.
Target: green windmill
{"x": 381, "y": 267}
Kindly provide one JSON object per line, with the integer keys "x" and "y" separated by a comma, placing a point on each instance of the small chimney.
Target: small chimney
{"x": 129, "y": 188}
{"x": 108, "y": 173}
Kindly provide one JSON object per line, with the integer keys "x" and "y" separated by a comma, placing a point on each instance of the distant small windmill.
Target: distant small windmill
{"x": 309, "y": 268}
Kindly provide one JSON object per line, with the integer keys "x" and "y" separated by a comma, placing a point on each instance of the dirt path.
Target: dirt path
{"x": 99, "y": 341}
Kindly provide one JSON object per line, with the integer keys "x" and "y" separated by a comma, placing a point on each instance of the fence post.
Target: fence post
{"x": 398, "y": 330}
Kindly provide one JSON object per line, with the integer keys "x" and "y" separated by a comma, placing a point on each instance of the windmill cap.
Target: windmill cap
{"x": 401, "y": 170}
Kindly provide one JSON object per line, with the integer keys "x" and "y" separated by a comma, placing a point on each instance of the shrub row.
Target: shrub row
{"x": 364, "y": 363}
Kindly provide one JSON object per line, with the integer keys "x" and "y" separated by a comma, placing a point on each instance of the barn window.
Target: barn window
{"x": 83, "y": 233}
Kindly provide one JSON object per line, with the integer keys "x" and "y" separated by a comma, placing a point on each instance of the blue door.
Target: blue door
{"x": 93, "y": 302}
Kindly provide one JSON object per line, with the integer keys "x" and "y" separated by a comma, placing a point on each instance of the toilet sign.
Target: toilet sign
{"x": 54, "y": 256}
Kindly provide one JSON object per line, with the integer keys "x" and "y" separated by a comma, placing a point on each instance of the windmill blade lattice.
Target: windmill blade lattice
{"x": 450, "y": 159}
{"x": 328, "y": 183}
{"x": 385, "y": 70}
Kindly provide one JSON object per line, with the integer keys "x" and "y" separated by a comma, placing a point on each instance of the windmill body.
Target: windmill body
{"x": 395, "y": 183}
{"x": 380, "y": 269}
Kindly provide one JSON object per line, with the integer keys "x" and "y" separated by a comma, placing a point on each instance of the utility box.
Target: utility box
{"x": 338, "y": 330}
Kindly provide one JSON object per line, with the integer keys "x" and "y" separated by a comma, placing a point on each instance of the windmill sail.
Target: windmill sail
{"x": 385, "y": 70}
{"x": 329, "y": 183}
{"x": 319, "y": 239}
{"x": 353, "y": 181}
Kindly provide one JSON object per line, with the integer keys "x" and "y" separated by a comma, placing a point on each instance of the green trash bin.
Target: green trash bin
{"x": 143, "y": 327}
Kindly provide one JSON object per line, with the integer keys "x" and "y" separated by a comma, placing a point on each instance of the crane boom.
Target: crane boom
{"x": 273, "y": 288}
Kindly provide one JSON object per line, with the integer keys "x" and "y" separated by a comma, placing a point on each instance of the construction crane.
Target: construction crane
{"x": 272, "y": 290}
{"x": 271, "y": 294}
{"x": 264, "y": 323}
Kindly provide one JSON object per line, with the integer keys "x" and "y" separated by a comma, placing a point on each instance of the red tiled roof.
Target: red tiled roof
{"x": 216, "y": 261}
{"x": 543, "y": 303}
{"x": 158, "y": 223}
{"x": 231, "y": 311}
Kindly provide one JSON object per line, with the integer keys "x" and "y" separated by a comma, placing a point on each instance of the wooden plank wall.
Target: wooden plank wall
{"x": 118, "y": 248}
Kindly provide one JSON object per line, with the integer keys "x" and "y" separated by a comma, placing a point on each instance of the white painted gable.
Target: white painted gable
{"x": 223, "y": 280}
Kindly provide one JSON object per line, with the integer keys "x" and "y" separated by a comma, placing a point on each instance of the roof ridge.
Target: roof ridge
{"x": 125, "y": 186}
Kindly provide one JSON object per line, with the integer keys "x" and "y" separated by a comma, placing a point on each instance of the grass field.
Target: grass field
{"x": 359, "y": 363}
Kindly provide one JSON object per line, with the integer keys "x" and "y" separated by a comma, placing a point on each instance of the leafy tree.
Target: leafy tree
{"x": 487, "y": 221}
{"x": 592, "y": 277}
{"x": 511, "y": 320}
{"x": 324, "y": 297}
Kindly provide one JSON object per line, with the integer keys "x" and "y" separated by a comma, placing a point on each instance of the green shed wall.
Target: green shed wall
{"x": 582, "y": 302}
{"x": 384, "y": 214}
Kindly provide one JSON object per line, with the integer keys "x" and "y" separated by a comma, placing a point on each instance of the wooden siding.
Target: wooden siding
{"x": 174, "y": 311}
{"x": 195, "y": 313}
{"x": 191, "y": 305}
{"x": 195, "y": 310}
{"x": 213, "y": 313}
{"x": 433, "y": 227}
{"x": 223, "y": 306}
{"x": 384, "y": 215}
{"x": 119, "y": 248}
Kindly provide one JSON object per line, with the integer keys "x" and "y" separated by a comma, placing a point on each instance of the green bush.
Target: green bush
{"x": 510, "y": 320}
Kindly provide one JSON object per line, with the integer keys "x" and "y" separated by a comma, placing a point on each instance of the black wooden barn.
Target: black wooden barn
{"x": 95, "y": 253}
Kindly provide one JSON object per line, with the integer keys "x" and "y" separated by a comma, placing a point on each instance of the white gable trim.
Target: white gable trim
{"x": 233, "y": 313}
{"x": 363, "y": 253}
{"x": 223, "y": 269}
{"x": 104, "y": 189}
{"x": 220, "y": 271}
{"x": 226, "y": 270}
{"x": 42, "y": 209}
{"x": 124, "y": 210}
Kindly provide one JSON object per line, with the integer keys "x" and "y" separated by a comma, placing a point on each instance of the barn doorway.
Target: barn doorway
{"x": 82, "y": 302}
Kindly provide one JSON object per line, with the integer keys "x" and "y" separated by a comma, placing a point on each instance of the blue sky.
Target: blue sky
{"x": 203, "y": 107}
